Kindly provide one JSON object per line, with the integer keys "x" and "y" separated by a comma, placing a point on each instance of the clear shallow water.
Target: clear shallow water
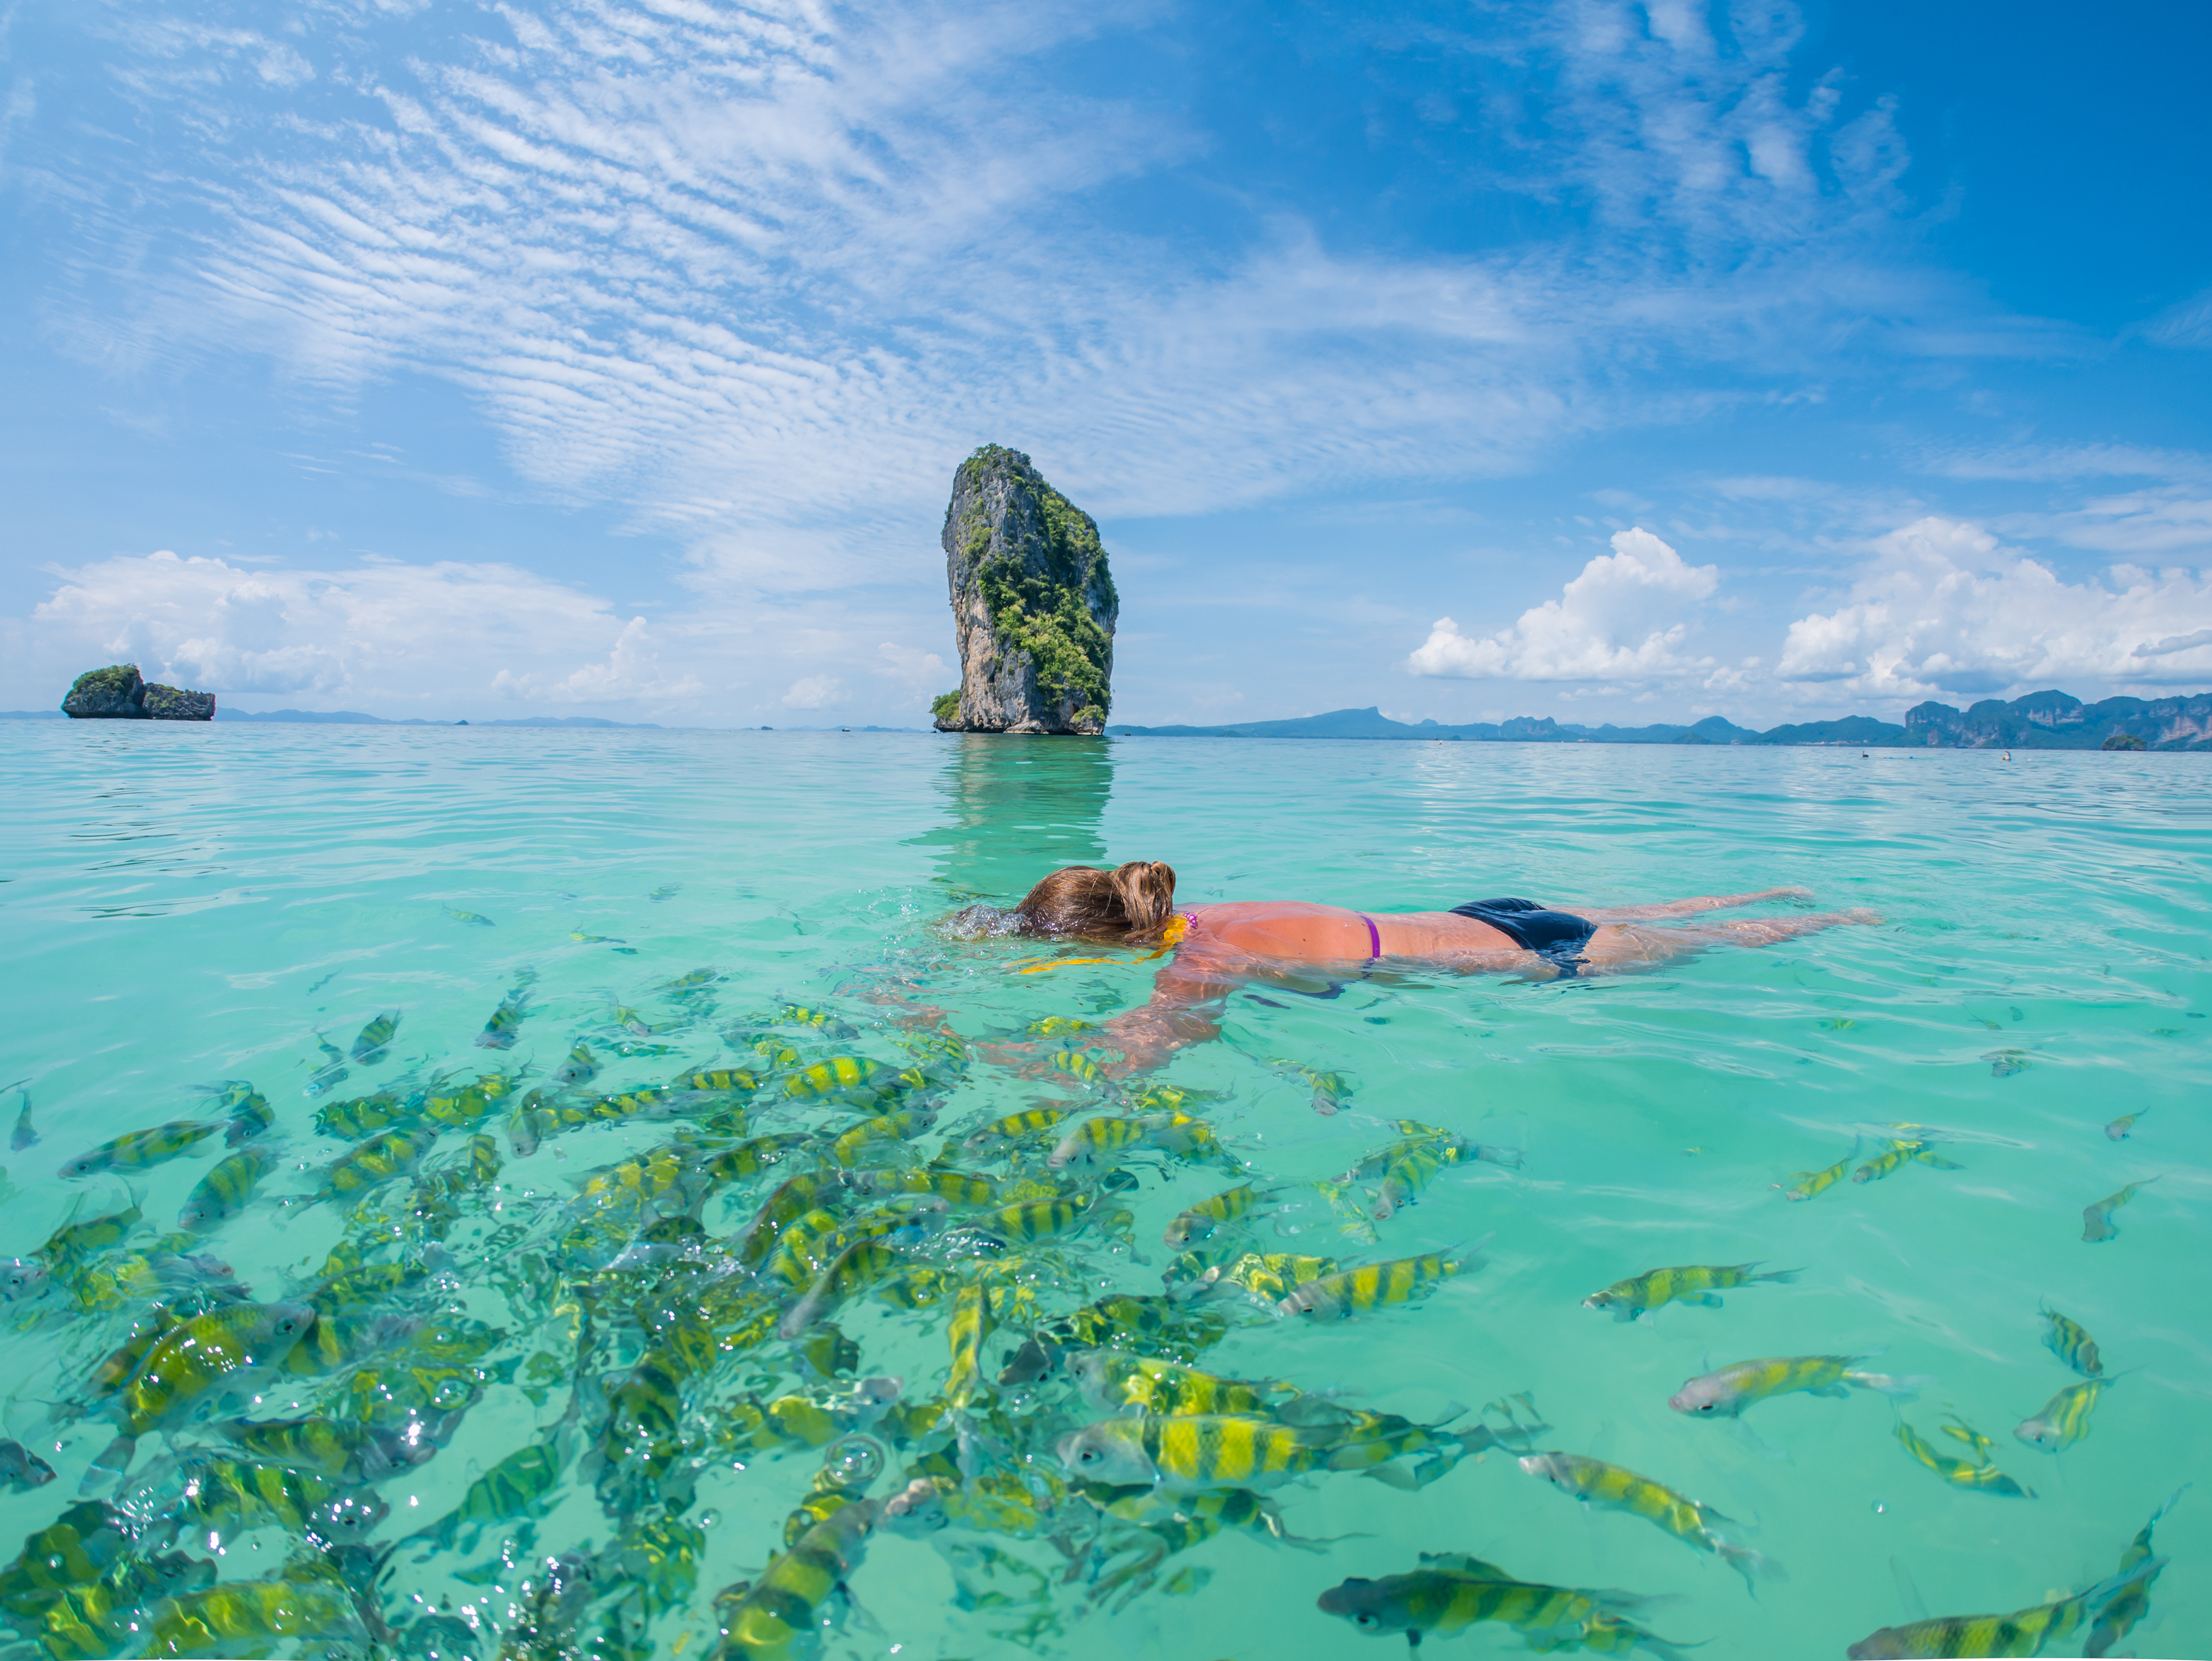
{"x": 185, "y": 904}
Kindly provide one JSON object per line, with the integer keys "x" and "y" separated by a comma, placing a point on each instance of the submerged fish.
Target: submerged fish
{"x": 250, "y": 1113}
{"x": 499, "y": 1032}
{"x": 2119, "y": 1128}
{"x": 1727, "y": 1393}
{"x": 1610, "y": 1487}
{"x": 582, "y": 1067}
{"x": 24, "y": 1136}
{"x": 331, "y": 1073}
{"x": 225, "y": 1190}
{"x": 374, "y": 1042}
{"x": 474, "y": 919}
{"x": 1809, "y": 1184}
{"x": 1014, "y": 1128}
{"x": 139, "y": 1148}
{"x": 1199, "y": 1221}
{"x": 2139, "y": 1570}
{"x": 1980, "y": 1474}
{"x": 1897, "y": 1155}
{"x": 1697, "y": 1284}
{"x": 191, "y": 1360}
{"x": 2064, "y": 1420}
{"x": 2037, "y": 1631}
{"x": 1451, "y": 1592}
{"x": 2073, "y": 1345}
{"x": 2097, "y": 1225}
{"x": 1195, "y": 1451}
{"x": 22, "y": 1469}
{"x": 1376, "y": 1286}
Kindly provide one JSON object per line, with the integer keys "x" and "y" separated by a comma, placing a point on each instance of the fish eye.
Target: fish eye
{"x": 1365, "y": 1618}
{"x": 1088, "y": 1457}
{"x": 1704, "y": 1406}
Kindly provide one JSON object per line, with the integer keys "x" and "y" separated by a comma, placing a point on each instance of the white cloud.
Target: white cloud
{"x": 1623, "y": 619}
{"x": 632, "y": 671}
{"x": 919, "y": 671}
{"x": 697, "y": 260}
{"x": 1944, "y": 608}
{"x": 401, "y": 636}
{"x": 815, "y": 692}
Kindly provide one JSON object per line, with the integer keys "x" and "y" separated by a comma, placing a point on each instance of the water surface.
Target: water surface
{"x": 187, "y": 904}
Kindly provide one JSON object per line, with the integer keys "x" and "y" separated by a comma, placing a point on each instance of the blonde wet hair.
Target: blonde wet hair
{"x": 1132, "y": 903}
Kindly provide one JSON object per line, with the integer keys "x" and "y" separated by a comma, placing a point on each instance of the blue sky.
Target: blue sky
{"x": 1604, "y": 360}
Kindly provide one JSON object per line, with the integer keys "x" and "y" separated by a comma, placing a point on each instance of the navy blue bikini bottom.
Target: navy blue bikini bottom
{"x": 1559, "y": 936}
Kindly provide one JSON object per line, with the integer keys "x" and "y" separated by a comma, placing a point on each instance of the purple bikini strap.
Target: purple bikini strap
{"x": 1374, "y": 937}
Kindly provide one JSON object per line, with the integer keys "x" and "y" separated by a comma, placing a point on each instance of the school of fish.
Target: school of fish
{"x": 696, "y": 1301}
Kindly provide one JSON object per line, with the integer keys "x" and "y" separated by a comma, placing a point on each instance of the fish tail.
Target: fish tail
{"x": 1784, "y": 1276}
{"x": 1753, "y": 1566}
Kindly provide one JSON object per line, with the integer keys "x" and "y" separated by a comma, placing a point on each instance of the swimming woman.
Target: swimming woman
{"x": 1218, "y": 949}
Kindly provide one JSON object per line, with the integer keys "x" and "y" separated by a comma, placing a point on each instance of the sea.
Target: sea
{"x": 577, "y": 1426}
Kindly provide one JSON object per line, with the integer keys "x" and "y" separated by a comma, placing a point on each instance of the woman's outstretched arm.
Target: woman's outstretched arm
{"x": 1185, "y": 1009}
{"x": 1682, "y": 908}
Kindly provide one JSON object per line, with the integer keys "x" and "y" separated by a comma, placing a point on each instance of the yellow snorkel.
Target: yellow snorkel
{"x": 1176, "y": 928}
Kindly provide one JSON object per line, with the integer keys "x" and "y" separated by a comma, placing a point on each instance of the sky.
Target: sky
{"x": 1603, "y": 361}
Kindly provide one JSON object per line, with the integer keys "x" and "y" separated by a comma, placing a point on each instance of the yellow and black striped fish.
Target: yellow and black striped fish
{"x": 223, "y": 1192}
{"x": 1698, "y": 1283}
{"x": 374, "y": 1042}
{"x": 139, "y": 1149}
{"x": 1376, "y": 1286}
{"x": 379, "y": 1159}
{"x": 2073, "y": 1345}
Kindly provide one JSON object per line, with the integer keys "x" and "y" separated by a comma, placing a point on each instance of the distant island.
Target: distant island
{"x": 356, "y": 718}
{"x": 2041, "y": 720}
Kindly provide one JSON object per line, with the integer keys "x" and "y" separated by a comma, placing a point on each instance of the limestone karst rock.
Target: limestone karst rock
{"x": 116, "y": 693}
{"x": 172, "y": 703}
{"x": 1032, "y": 600}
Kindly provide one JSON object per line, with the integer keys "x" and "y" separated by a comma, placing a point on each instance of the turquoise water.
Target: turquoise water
{"x": 193, "y": 904}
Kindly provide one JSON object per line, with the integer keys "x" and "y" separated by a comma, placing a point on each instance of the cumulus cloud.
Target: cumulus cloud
{"x": 395, "y": 634}
{"x": 1945, "y": 608}
{"x": 815, "y": 692}
{"x": 1625, "y": 617}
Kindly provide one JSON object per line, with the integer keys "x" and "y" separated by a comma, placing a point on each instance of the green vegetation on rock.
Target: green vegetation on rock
{"x": 945, "y": 705}
{"x": 1048, "y": 613}
{"x": 114, "y": 681}
{"x": 2124, "y": 741}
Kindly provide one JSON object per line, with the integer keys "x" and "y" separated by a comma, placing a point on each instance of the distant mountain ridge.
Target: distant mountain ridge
{"x": 2040, "y": 721}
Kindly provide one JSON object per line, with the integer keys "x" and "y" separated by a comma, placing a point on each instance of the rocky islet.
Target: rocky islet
{"x": 119, "y": 693}
{"x": 1033, "y": 603}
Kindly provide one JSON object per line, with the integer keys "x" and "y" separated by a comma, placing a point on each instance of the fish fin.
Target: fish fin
{"x": 1459, "y": 1562}
{"x": 1397, "y": 1476}
{"x": 1908, "y": 1594}
{"x": 1709, "y": 1299}
{"x": 1781, "y": 1276}
{"x": 1899, "y": 1387}
{"x": 1753, "y": 1566}
{"x": 1752, "y": 1439}
{"x": 1835, "y": 1390}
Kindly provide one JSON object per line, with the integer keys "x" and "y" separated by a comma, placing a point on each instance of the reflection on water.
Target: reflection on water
{"x": 1016, "y": 808}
